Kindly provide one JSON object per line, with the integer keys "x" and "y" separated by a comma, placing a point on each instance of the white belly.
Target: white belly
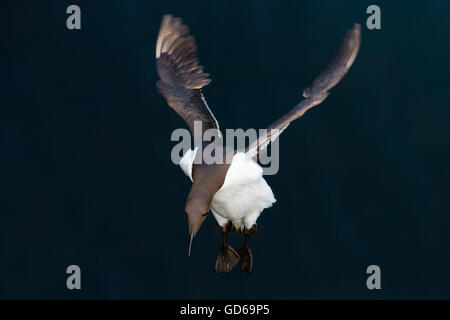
{"x": 244, "y": 194}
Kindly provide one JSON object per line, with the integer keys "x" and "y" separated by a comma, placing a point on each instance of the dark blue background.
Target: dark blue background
{"x": 86, "y": 176}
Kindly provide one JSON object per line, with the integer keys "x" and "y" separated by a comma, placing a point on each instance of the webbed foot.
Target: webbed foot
{"x": 226, "y": 259}
{"x": 246, "y": 259}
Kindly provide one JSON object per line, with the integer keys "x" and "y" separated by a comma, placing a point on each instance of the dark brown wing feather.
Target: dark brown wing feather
{"x": 318, "y": 91}
{"x": 182, "y": 79}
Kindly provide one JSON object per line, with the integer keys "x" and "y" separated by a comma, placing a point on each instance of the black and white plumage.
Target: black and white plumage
{"x": 236, "y": 193}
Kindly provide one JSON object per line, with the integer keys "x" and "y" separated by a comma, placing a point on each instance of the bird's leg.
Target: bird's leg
{"x": 245, "y": 254}
{"x": 227, "y": 257}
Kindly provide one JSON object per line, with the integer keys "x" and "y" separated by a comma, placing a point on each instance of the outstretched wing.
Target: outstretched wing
{"x": 317, "y": 92}
{"x": 182, "y": 79}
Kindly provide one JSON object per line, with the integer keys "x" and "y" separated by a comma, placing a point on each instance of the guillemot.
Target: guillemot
{"x": 236, "y": 193}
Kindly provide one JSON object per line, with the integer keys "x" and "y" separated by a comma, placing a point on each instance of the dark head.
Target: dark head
{"x": 198, "y": 205}
{"x": 207, "y": 180}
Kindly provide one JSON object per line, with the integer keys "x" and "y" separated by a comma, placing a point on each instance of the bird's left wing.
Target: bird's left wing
{"x": 317, "y": 92}
{"x": 182, "y": 79}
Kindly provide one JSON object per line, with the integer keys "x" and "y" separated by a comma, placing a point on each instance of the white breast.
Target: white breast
{"x": 187, "y": 161}
{"x": 244, "y": 193}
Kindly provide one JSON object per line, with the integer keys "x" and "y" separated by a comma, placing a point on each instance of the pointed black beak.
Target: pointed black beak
{"x": 190, "y": 243}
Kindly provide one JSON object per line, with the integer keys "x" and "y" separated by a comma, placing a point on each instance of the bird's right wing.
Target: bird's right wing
{"x": 317, "y": 92}
{"x": 182, "y": 78}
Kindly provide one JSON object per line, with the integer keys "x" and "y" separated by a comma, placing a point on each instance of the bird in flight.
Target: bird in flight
{"x": 236, "y": 193}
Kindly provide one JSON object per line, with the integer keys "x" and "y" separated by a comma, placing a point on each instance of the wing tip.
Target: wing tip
{"x": 170, "y": 29}
{"x": 176, "y": 54}
{"x": 353, "y": 43}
